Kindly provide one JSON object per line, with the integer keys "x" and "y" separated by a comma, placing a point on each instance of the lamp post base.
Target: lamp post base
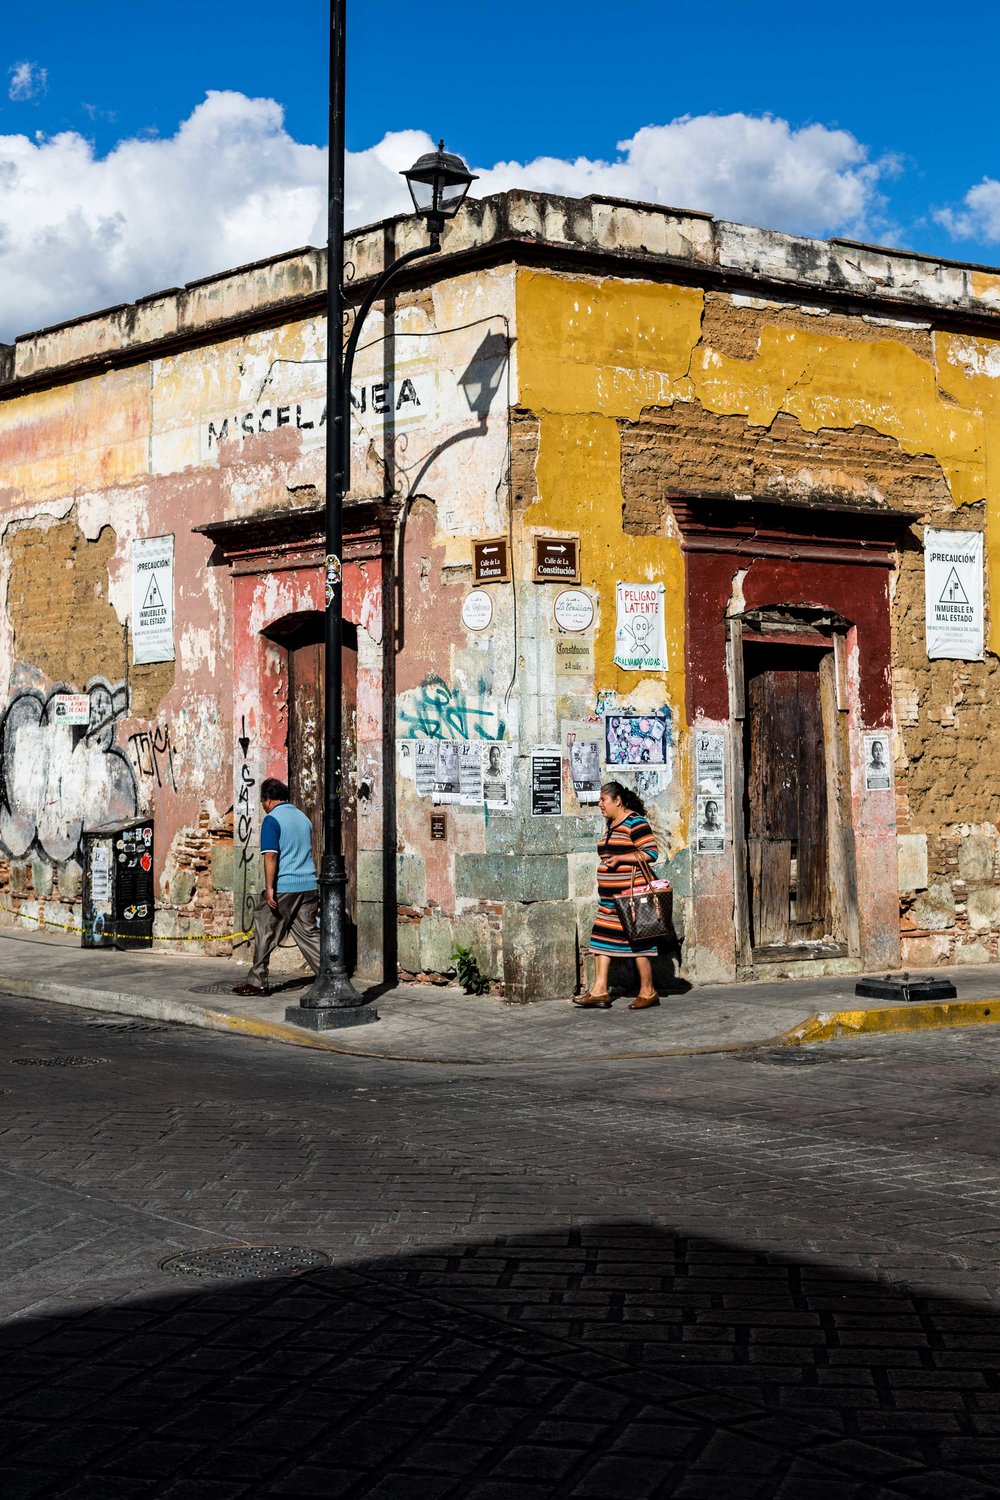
{"x": 330, "y": 1017}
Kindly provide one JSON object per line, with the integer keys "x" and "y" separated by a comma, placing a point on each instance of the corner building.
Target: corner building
{"x": 747, "y": 431}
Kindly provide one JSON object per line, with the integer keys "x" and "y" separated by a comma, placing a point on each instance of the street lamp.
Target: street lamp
{"x": 438, "y": 183}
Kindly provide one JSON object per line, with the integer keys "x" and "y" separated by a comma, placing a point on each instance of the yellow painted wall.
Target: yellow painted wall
{"x": 591, "y": 353}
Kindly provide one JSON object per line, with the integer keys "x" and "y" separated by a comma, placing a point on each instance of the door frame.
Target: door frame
{"x": 804, "y": 626}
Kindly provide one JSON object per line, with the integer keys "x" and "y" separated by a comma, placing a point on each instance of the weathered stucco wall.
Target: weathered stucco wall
{"x": 644, "y": 390}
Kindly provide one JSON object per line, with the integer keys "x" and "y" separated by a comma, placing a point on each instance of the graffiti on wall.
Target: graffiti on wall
{"x": 435, "y": 711}
{"x": 56, "y": 780}
{"x": 153, "y": 755}
{"x": 244, "y": 898}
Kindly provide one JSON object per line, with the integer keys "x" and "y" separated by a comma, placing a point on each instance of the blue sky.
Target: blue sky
{"x": 873, "y": 121}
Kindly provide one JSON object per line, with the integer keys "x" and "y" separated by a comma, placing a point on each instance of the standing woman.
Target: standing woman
{"x": 628, "y": 841}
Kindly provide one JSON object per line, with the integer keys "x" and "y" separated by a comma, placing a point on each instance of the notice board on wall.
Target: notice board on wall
{"x": 953, "y": 582}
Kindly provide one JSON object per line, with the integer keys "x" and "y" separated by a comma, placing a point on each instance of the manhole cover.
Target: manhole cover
{"x": 242, "y": 1261}
{"x": 789, "y": 1057}
{"x": 217, "y": 987}
{"x": 57, "y": 1062}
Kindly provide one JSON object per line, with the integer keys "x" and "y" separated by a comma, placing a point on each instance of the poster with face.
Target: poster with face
{"x": 635, "y": 740}
{"x": 878, "y": 766}
{"x": 497, "y": 763}
{"x": 447, "y": 778}
{"x": 585, "y": 767}
{"x": 710, "y": 829}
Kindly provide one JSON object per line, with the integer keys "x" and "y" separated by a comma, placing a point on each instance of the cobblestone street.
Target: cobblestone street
{"x": 750, "y": 1276}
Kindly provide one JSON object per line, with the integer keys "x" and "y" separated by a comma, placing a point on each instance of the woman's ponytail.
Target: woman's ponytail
{"x": 629, "y": 799}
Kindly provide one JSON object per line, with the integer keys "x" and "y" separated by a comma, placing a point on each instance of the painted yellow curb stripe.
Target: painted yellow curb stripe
{"x": 828, "y": 1026}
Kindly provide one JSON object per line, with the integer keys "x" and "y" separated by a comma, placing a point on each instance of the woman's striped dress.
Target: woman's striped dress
{"x": 630, "y": 834}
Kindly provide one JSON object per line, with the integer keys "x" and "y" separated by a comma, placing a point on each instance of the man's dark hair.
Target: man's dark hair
{"x": 273, "y": 790}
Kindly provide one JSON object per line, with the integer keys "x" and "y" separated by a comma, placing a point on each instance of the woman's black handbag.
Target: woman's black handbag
{"x": 647, "y": 912}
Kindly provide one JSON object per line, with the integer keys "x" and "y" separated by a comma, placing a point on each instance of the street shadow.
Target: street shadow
{"x": 617, "y": 1361}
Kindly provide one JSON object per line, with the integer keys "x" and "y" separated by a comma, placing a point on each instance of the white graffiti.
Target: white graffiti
{"x": 57, "y": 780}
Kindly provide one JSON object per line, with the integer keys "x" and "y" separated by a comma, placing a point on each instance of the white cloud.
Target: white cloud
{"x": 79, "y": 232}
{"x": 27, "y": 81}
{"x": 750, "y": 168}
{"x": 979, "y": 219}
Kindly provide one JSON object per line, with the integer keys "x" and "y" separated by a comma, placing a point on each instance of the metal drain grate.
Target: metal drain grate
{"x": 245, "y": 1261}
{"x": 58, "y": 1062}
{"x": 128, "y": 1026}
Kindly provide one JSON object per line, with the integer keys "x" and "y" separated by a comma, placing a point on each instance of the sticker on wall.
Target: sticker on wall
{"x": 710, "y": 825}
{"x": 635, "y": 740}
{"x": 152, "y": 599}
{"x": 878, "y": 764}
{"x": 640, "y": 632}
{"x": 710, "y": 764}
{"x": 546, "y": 781}
{"x": 498, "y": 772}
{"x": 477, "y": 610}
{"x": 574, "y": 610}
{"x": 953, "y": 584}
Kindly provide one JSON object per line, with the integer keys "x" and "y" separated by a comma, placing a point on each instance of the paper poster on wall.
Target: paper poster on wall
{"x": 585, "y": 768}
{"x": 152, "y": 599}
{"x": 953, "y": 598}
{"x": 425, "y": 773}
{"x": 71, "y": 708}
{"x": 710, "y": 826}
{"x": 546, "y": 781}
{"x": 710, "y": 763}
{"x": 878, "y": 764}
{"x": 640, "y": 633}
{"x": 498, "y": 770}
{"x": 635, "y": 740}
{"x": 470, "y": 773}
{"x": 447, "y": 780}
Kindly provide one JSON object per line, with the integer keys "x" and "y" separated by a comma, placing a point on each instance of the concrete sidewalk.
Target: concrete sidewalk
{"x": 422, "y": 1023}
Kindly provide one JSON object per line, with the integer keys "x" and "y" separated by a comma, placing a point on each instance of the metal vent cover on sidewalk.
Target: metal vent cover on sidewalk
{"x": 255, "y": 1262}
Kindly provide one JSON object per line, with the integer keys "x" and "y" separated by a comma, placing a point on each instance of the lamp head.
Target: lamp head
{"x": 438, "y": 182}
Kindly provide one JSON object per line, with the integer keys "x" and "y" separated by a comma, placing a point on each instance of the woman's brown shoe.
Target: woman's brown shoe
{"x": 644, "y": 1002}
{"x": 592, "y": 1002}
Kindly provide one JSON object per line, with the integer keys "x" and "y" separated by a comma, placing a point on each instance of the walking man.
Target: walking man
{"x": 290, "y": 902}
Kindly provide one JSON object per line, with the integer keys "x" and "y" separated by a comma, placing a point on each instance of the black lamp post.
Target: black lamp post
{"x": 438, "y": 184}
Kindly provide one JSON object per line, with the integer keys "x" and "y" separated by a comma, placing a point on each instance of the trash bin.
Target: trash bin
{"x": 118, "y": 904}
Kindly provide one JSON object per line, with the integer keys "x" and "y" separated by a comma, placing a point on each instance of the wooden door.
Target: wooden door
{"x": 786, "y": 812}
{"x": 306, "y": 700}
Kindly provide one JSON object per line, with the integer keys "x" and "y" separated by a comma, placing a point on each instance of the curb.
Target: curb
{"x": 825, "y": 1026}
{"x": 835, "y": 1025}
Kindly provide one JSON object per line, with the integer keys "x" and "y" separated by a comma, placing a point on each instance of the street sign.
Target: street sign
{"x": 491, "y": 561}
{"x": 557, "y": 559}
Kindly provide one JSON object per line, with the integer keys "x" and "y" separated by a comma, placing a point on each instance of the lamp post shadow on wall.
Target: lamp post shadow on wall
{"x": 438, "y": 183}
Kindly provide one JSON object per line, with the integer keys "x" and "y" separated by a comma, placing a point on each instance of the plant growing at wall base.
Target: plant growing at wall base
{"x": 470, "y": 975}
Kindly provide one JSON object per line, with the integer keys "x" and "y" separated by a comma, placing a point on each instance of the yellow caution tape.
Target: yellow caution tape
{"x": 135, "y": 937}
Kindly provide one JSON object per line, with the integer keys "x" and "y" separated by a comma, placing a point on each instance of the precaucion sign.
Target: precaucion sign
{"x": 153, "y": 599}
{"x": 953, "y": 580}
{"x": 640, "y": 635}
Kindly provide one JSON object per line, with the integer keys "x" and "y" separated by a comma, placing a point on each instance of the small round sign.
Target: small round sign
{"x": 477, "y": 610}
{"x": 574, "y": 610}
